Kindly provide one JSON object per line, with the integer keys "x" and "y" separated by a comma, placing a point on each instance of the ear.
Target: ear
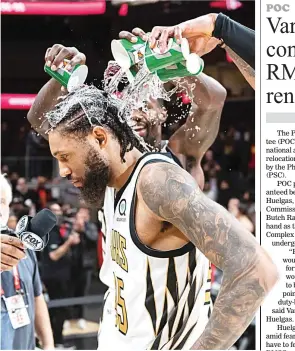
{"x": 100, "y": 135}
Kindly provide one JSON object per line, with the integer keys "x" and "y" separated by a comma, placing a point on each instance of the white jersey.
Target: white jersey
{"x": 156, "y": 299}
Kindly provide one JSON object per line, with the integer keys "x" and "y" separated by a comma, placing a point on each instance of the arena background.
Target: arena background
{"x": 28, "y": 29}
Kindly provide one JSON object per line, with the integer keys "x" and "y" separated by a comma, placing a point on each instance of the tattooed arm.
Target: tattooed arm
{"x": 200, "y": 130}
{"x": 171, "y": 194}
{"x": 247, "y": 71}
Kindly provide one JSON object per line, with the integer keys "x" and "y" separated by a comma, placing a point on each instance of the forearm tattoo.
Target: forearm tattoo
{"x": 247, "y": 71}
{"x": 172, "y": 194}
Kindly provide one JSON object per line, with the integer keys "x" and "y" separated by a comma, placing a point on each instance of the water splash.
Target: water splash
{"x": 136, "y": 95}
{"x": 97, "y": 106}
{"x": 113, "y": 76}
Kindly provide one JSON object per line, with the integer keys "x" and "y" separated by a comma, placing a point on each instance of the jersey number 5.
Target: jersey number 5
{"x": 121, "y": 318}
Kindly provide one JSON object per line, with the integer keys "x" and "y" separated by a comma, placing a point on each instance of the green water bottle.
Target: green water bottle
{"x": 128, "y": 54}
{"x": 71, "y": 79}
{"x": 180, "y": 70}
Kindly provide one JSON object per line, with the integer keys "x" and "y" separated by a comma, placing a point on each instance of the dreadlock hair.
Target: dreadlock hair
{"x": 87, "y": 107}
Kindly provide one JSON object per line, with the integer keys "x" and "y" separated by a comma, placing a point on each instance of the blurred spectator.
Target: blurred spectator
{"x": 67, "y": 210}
{"x": 13, "y": 178}
{"x": 4, "y": 169}
{"x": 28, "y": 197}
{"x": 68, "y": 193}
{"x": 43, "y": 193}
{"x": 18, "y": 208}
{"x": 239, "y": 210}
{"x": 83, "y": 257}
{"x": 229, "y": 150}
{"x": 211, "y": 189}
{"x": 249, "y": 199}
{"x": 56, "y": 209}
{"x": 56, "y": 271}
{"x": 224, "y": 193}
{"x": 210, "y": 166}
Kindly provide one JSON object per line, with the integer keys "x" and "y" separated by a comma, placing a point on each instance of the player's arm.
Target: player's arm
{"x": 247, "y": 71}
{"x": 49, "y": 94}
{"x": 170, "y": 194}
{"x": 236, "y": 36}
{"x": 204, "y": 33}
{"x": 201, "y": 127}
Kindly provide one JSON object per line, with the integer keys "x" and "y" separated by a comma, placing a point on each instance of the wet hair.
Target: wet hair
{"x": 87, "y": 107}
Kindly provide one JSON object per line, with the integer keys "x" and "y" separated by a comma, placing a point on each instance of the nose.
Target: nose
{"x": 64, "y": 170}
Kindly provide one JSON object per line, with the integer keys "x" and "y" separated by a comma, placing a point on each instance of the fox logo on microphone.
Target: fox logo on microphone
{"x": 32, "y": 241}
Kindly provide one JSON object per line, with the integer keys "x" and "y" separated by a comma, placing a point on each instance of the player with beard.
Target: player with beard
{"x": 151, "y": 240}
{"x": 164, "y": 233}
{"x": 189, "y": 143}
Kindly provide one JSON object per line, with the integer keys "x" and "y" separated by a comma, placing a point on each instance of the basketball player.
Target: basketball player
{"x": 164, "y": 232}
{"x": 187, "y": 145}
{"x": 190, "y": 142}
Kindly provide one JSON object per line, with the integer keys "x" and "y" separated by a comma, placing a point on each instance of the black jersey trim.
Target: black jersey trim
{"x": 150, "y": 302}
{"x": 135, "y": 238}
{"x": 184, "y": 340}
{"x": 169, "y": 154}
{"x": 174, "y": 157}
{"x": 121, "y": 191}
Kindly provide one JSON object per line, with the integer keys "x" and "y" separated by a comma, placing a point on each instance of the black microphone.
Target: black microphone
{"x": 5, "y": 230}
{"x": 34, "y": 231}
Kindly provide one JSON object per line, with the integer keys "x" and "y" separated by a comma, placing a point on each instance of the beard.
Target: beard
{"x": 96, "y": 179}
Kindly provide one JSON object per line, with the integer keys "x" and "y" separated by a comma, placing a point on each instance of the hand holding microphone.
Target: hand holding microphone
{"x": 34, "y": 232}
{"x": 31, "y": 233}
{"x": 12, "y": 251}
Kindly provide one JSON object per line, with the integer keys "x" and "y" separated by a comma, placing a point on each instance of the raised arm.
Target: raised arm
{"x": 171, "y": 194}
{"x": 247, "y": 71}
{"x": 48, "y": 96}
{"x": 236, "y": 36}
{"x": 201, "y": 128}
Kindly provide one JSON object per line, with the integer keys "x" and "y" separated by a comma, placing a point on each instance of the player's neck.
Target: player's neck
{"x": 122, "y": 170}
{"x": 157, "y": 142}
{"x": 156, "y": 137}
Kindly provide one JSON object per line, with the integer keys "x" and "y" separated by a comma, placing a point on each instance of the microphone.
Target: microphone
{"x": 34, "y": 231}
